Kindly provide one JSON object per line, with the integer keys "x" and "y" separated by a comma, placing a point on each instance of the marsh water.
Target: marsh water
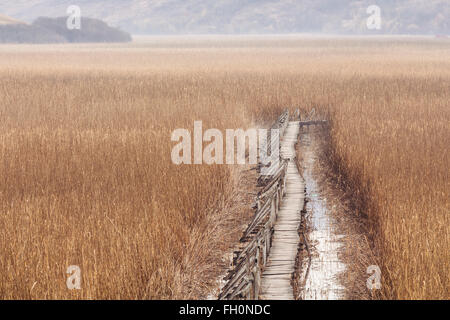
{"x": 320, "y": 273}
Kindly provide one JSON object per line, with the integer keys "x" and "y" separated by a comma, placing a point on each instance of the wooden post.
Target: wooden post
{"x": 273, "y": 214}
{"x": 276, "y": 203}
{"x": 257, "y": 282}
{"x": 280, "y": 193}
{"x": 264, "y": 251}
{"x": 249, "y": 279}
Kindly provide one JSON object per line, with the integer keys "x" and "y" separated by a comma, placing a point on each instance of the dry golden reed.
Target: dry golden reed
{"x": 87, "y": 178}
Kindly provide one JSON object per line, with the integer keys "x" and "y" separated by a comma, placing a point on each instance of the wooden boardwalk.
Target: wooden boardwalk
{"x": 276, "y": 281}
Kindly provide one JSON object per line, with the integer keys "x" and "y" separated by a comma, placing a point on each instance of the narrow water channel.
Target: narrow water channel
{"x": 320, "y": 271}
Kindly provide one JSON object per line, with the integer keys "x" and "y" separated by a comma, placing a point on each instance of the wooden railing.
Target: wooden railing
{"x": 281, "y": 125}
{"x": 243, "y": 281}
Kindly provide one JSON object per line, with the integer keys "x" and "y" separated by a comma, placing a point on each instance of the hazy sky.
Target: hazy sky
{"x": 250, "y": 16}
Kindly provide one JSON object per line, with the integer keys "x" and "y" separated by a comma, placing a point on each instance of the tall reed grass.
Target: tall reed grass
{"x": 87, "y": 178}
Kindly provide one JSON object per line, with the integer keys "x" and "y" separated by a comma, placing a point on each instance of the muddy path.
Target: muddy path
{"x": 335, "y": 251}
{"x": 319, "y": 249}
{"x": 322, "y": 266}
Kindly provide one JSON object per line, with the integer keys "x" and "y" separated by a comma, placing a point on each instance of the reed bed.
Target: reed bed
{"x": 87, "y": 177}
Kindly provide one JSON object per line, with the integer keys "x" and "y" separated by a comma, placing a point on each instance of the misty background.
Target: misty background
{"x": 246, "y": 16}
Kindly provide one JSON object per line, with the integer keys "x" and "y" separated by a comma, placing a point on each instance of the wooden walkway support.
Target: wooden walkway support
{"x": 313, "y": 123}
{"x": 277, "y": 278}
{"x": 264, "y": 264}
{"x": 244, "y": 280}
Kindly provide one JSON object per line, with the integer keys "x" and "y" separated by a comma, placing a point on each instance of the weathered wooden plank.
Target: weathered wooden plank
{"x": 277, "y": 276}
{"x": 270, "y": 242}
{"x": 313, "y": 122}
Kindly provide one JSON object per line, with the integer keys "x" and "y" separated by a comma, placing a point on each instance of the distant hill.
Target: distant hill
{"x": 54, "y": 30}
{"x": 23, "y": 33}
{"x": 248, "y": 16}
{"x": 4, "y": 20}
{"x": 92, "y": 30}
